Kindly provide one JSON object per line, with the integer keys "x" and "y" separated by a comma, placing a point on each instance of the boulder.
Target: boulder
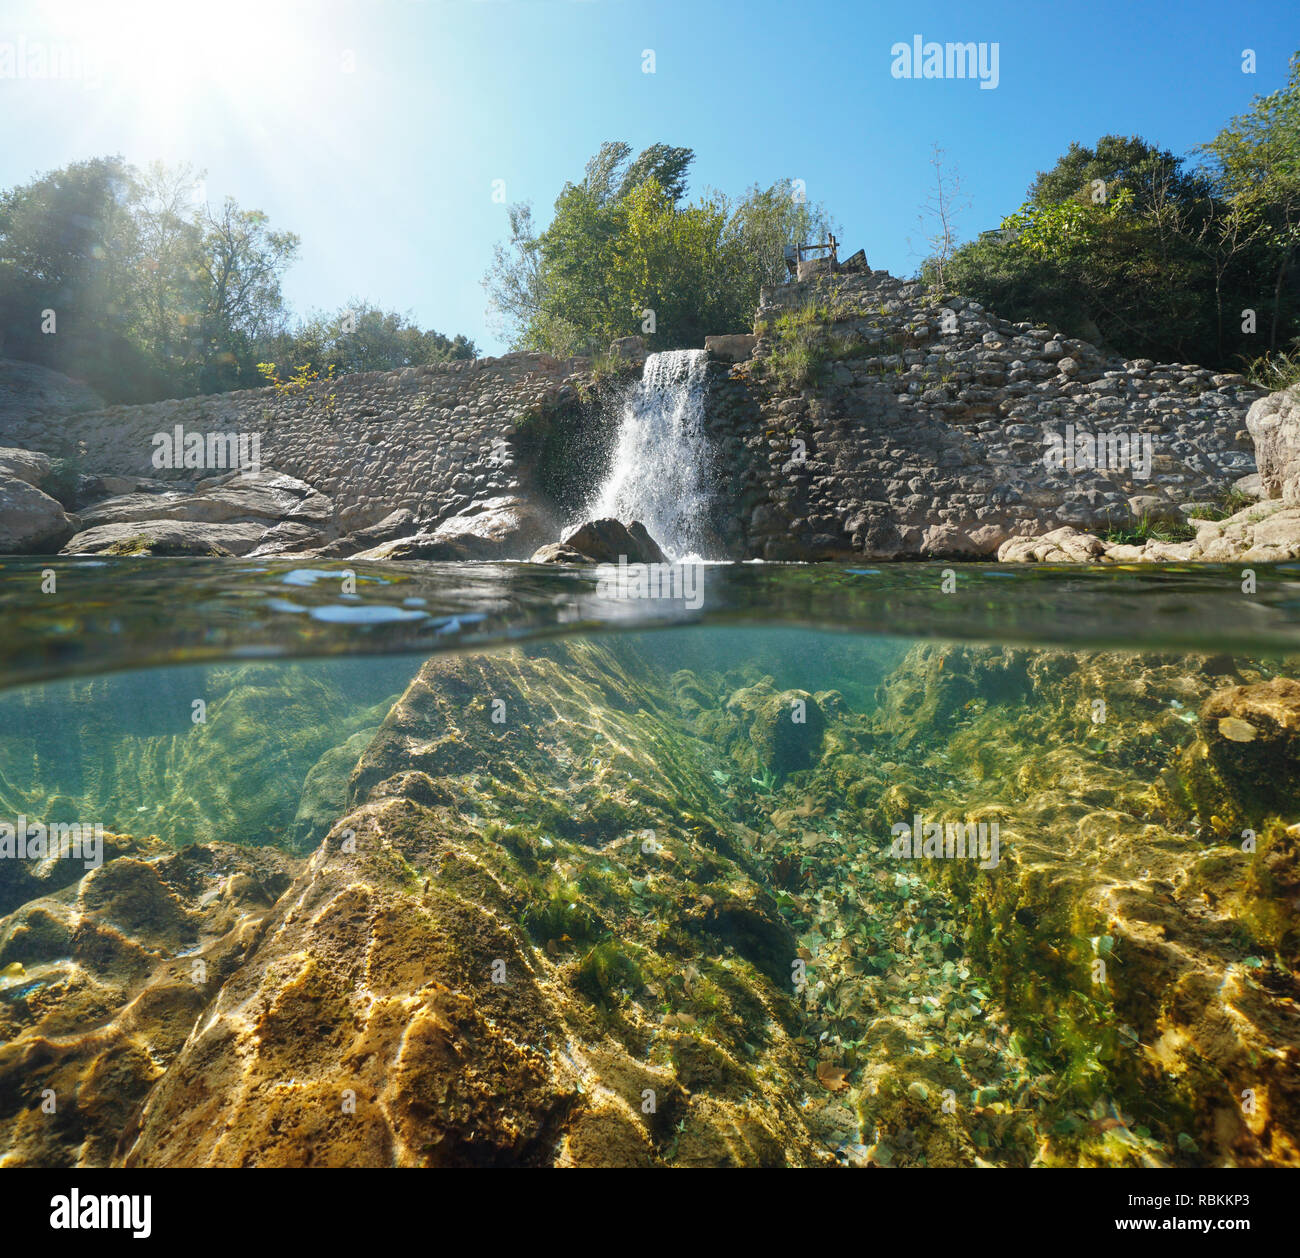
{"x": 166, "y": 537}
{"x": 242, "y": 497}
{"x": 31, "y": 522}
{"x": 508, "y": 527}
{"x": 780, "y": 732}
{"x": 27, "y": 390}
{"x": 396, "y": 524}
{"x": 24, "y": 465}
{"x": 734, "y": 347}
{"x": 558, "y": 552}
{"x": 1273, "y": 422}
{"x": 1063, "y": 545}
{"x": 1244, "y": 764}
{"x": 608, "y": 540}
{"x": 629, "y": 348}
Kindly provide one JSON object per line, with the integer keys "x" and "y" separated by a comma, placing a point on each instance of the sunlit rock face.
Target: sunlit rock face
{"x": 474, "y": 968}
{"x": 103, "y": 980}
{"x": 562, "y": 909}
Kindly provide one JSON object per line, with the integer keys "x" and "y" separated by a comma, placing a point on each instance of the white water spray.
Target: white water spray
{"x": 659, "y": 472}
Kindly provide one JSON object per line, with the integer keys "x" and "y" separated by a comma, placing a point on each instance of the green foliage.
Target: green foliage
{"x": 1276, "y": 371}
{"x": 803, "y": 339}
{"x": 557, "y": 911}
{"x": 607, "y": 972}
{"x": 1148, "y": 530}
{"x": 798, "y": 344}
{"x": 61, "y": 483}
{"x": 621, "y": 245}
{"x": 157, "y": 294}
{"x": 1127, "y": 244}
{"x": 1228, "y": 503}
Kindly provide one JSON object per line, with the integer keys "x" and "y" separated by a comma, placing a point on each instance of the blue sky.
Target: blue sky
{"x": 375, "y": 129}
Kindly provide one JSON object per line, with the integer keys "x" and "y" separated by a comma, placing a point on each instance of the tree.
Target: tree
{"x": 156, "y": 294}
{"x": 359, "y": 337}
{"x": 1121, "y": 243}
{"x": 1255, "y": 162}
{"x": 241, "y": 260}
{"x": 69, "y": 245}
{"x": 622, "y": 255}
{"x": 938, "y": 214}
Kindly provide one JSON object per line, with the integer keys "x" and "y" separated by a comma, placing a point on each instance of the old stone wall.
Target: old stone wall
{"x": 923, "y": 428}
{"x": 914, "y": 427}
{"x": 429, "y": 439}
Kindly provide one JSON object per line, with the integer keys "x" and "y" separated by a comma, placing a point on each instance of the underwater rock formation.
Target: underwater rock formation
{"x": 531, "y": 942}
{"x": 237, "y": 775}
{"x": 572, "y": 908}
{"x": 101, "y": 982}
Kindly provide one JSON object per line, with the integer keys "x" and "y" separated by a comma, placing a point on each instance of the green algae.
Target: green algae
{"x": 761, "y": 949}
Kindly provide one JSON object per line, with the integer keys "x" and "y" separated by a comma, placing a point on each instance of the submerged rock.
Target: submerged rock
{"x": 478, "y": 965}
{"x": 1246, "y": 763}
{"x": 115, "y": 968}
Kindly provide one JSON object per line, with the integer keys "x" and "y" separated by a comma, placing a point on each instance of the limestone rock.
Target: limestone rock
{"x": 607, "y": 540}
{"x": 1274, "y": 425}
{"x": 506, "y": 527}
{"x": 166, "y": 537}
{"x": 105, "y": 1001}
{"x": 1250, "y": 745}
{"x": 558, "y": 552}
{"x": 31, "y": 522}
{"x": 733, "y": 347}
{"x": 24, "y": 465}
{"x": 28, "y": 390}
{"x": 628, "y": 348}
{"x": 1063, "y": 545}
{"x": 375, "y": 970}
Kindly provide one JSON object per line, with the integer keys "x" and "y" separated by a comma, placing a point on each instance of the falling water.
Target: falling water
{"x": 659, "y": 471}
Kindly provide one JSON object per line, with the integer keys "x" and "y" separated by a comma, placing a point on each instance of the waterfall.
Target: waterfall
{"x": 659, "y": 471}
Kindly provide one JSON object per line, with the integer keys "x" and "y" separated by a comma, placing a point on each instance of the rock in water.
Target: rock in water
{"x": 438, "y": 991}
{"x": 508, "y": 527}
{"x": 608, "y": 541}
{"x": 31, "y": 522}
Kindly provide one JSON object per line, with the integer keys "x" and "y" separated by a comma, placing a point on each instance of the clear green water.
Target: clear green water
{"x": 689, "y": 828}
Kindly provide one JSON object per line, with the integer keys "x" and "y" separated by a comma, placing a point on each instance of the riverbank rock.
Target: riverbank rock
{"x": 29, "y": 391}
{"x": 733, "y": 347}
{"x": 166, "y": 537}
{"x": 608, "y": 541}
{"x": 25, "y": 465}
{"x": 507, "y": 527}
{"x": 1267, "y": 532}
{"x": 31, "y": 522}
{"x": 1274, "y": 424}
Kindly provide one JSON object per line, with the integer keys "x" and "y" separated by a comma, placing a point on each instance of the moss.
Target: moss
{"x": 607, "y": 972}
